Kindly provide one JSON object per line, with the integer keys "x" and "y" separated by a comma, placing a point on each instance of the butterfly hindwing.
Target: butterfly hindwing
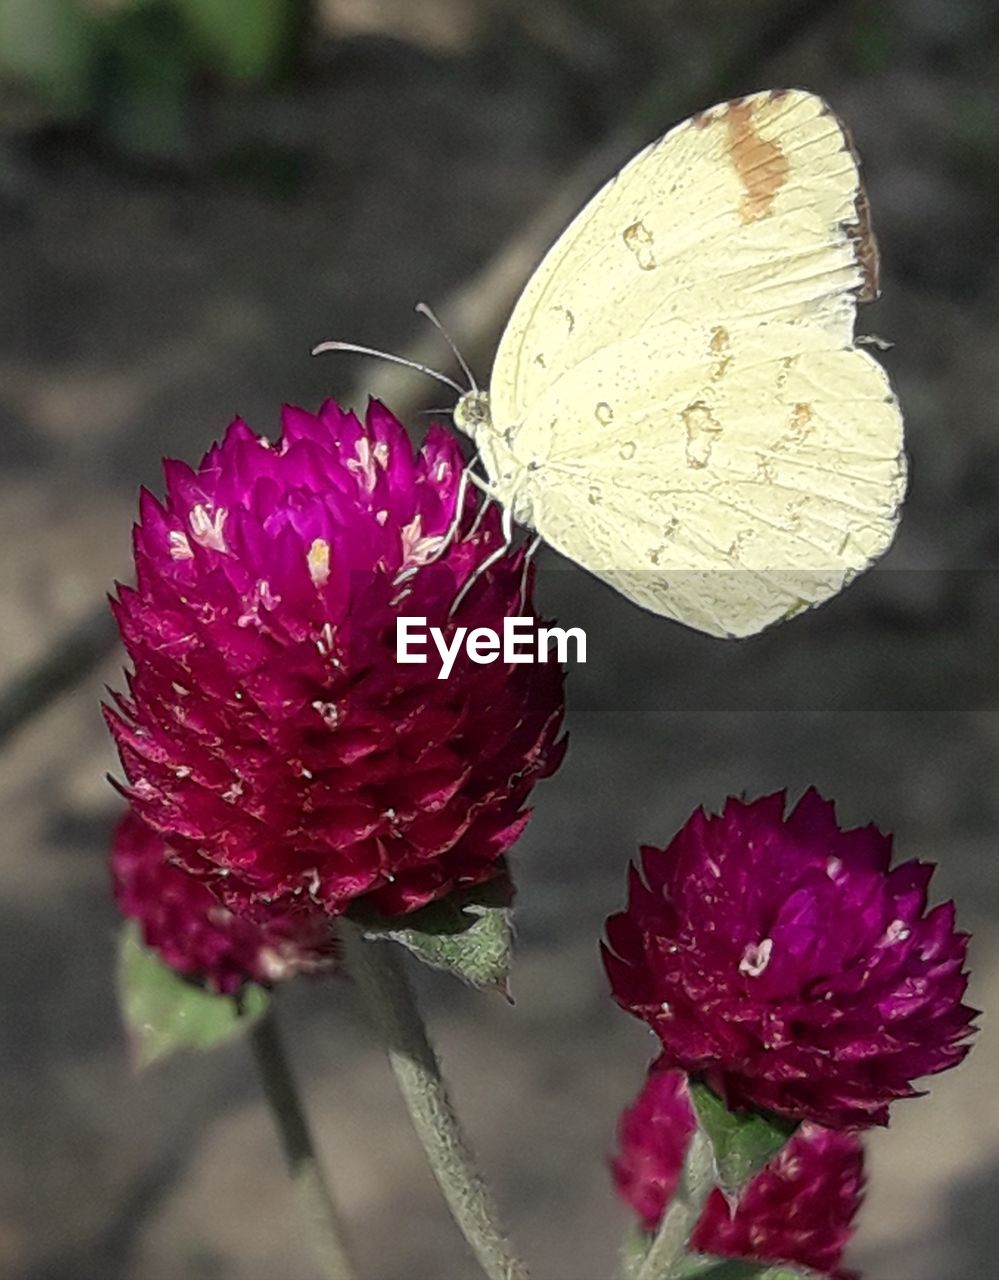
{"x": 775, "y": 480}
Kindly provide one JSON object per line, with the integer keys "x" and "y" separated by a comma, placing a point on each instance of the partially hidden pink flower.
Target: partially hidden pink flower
{"x": 799, "y": 1209}
{"x": 269, "y": 734}
{"x": 183, "y": 921}
{"x": 783, "y": 959}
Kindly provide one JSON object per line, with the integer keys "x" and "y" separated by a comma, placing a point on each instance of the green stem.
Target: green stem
{"x": 310, "y": 1189}
{"x": 377, "y": 968}
{"x": 672, "y": 1240}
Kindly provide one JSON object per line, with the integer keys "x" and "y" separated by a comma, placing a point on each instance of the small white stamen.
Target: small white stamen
{"x": 206, "y": 529}
{"x": 756, "y": 957}
{"x": 833, "y": 867}
{"x": 365, "y": 464}
{"x": 180, "y": 548}
{"x": 381, "y": 516}
{"x": 261, "y": 598}
{"x": 416, "y": 549}
{"x": 319, "y": 562}
{"x": 329, "y": 712}
{"x": 274, "y": 965}
{"x": 897, "y": 931}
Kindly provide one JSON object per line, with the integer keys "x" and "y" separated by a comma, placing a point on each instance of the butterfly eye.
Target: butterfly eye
{"x": 471, "y": 413}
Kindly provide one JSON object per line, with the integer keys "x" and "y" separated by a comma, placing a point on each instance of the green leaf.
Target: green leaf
{"x": 743, "y": 1141}
{"x": 634, "y": 1246}
{"x": 469, "y": 934}
{"x": 50, "y": 45}
{"x": 144, "y": 89}
{"x": 737, "y": 1269}
{"x": 164, "y": 1012}
{"x": 701, "y": 1266}
{"x": 244, "y": 39}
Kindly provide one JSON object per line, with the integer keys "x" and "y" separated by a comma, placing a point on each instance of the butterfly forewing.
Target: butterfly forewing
{"x": 681, "y": 370}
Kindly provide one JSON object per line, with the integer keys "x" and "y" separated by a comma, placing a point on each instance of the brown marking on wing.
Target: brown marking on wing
{"x": 866, "y": 247}
{"x": 761, "y": 165}
{"x": 719, "y": 347}
{"x": 860, "y": 231}
{"x": 638, "y": 238}
{"x": 702, "y": 430}
{"x": 801, "y": 419}
{"x": 799, "y": 426}
{"x": 570, "y": 319}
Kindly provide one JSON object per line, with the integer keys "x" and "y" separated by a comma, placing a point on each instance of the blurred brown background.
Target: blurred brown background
{"x": 188, "y": 202}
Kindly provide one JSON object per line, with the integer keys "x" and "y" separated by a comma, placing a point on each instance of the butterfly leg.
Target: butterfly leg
{"x": 485, "y": 488}
{"x": 529, "y": 554}
{"x": 459, "y": 512}
{"x": 490, "y": 560}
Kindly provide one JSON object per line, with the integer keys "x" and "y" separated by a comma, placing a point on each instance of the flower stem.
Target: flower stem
{"x": 377, "y": 968}
{"x": 311, "y": 1191}
{"x": 672, "y": 1240}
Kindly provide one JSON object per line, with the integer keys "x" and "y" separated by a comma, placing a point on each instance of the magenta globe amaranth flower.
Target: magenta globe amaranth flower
{"x": 269, "y": 734}
{"x": 183, "y": 921}
{"x": 785, "y": 961}
{"x": 799, "y": 1209}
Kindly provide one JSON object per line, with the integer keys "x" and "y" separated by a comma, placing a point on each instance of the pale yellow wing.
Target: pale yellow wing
{"x": 726, "y": 493}
{"x": 752, "y": 208}
{"x": 678, "y": 393}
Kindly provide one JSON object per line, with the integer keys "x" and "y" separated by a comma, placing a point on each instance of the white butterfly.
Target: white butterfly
{"x": 677, "y": 402}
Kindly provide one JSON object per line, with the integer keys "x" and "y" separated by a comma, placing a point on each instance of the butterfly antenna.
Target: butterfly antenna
{"x": 425, "y": 310}
{"x": 386, "y": 355}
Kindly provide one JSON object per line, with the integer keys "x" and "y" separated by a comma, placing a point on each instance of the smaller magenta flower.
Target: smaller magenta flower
{"x": 799, "y": 1209}
{"x": 784, "y": 960}
{"x": 193, "y": 932}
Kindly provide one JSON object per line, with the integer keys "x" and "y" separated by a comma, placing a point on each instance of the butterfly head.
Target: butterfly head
{"x": 471, "y": 413}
